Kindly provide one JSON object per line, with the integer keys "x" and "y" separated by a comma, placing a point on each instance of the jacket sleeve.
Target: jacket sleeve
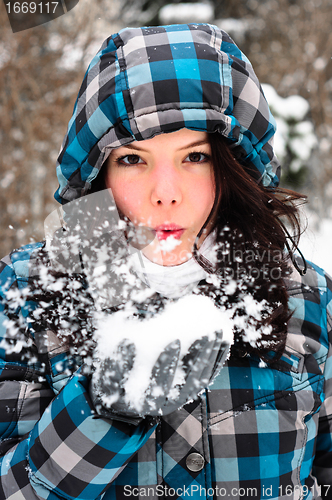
{"x": 53, "y": 446}
{"x": 323, "y": 457}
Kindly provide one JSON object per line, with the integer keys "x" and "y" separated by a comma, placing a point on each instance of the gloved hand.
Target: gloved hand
{"x": 173, "y": 381}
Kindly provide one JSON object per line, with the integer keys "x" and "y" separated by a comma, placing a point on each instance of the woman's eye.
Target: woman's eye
{"x": 130, "y": 160}
{"x": 197, "y": 157}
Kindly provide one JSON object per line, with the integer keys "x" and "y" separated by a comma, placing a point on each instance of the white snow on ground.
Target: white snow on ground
{"x": 316, "y": 242}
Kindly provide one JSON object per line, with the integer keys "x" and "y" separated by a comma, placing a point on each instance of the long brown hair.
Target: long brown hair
{"x": 251, "y": 236}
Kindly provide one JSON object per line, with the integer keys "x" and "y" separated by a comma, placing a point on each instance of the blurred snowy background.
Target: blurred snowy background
{"x": 288, "y": 41}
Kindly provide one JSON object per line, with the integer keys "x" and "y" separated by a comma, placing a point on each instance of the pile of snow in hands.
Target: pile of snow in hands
{"x": 188, "y": 319}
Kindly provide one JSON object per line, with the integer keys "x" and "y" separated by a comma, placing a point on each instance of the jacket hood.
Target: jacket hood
{"x": 147, "y": 81}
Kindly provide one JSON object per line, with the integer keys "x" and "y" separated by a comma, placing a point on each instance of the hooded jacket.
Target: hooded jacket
{"x": 258, "y": 431}
{"x": 138, "y": 86}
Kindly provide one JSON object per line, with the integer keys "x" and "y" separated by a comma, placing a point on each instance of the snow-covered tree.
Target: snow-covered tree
{"x": 295, "y": 138}
{"x": 41, "y": 70}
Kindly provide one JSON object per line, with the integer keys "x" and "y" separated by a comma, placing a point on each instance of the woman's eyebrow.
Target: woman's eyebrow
{"x": 187, "y": 146}
{"x": 194, "y": 144}
{"x": 132, "y": 146}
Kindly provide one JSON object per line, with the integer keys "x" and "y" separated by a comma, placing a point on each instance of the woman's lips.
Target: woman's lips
{"x": 165, "y": 231}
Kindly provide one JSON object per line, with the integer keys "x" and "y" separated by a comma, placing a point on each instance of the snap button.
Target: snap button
{"x": 195, "y": 462}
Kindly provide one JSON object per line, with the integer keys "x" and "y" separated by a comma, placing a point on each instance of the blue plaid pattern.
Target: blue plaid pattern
{"x": 146, "y": 81}
{"x": 264, "y": 432}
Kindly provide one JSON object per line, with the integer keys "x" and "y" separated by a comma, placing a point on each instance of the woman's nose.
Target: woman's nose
{"x": 166, "y": 185}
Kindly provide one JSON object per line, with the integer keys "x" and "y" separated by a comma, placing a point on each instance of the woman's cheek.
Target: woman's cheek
{"x": 122, "y": 196}
{"x": 131, "y": 205}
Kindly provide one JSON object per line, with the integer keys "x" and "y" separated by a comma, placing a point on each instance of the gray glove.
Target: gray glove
{"x": 202, "y": 362}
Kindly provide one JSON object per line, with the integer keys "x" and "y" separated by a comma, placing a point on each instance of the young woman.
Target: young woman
{"x": 172, "y": 123}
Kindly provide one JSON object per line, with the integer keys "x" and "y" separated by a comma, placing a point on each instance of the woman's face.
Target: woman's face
{"x": 166, "y": 184}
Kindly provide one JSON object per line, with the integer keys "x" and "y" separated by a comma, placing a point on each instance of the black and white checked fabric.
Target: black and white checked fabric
{"x": 263, "y": 432}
